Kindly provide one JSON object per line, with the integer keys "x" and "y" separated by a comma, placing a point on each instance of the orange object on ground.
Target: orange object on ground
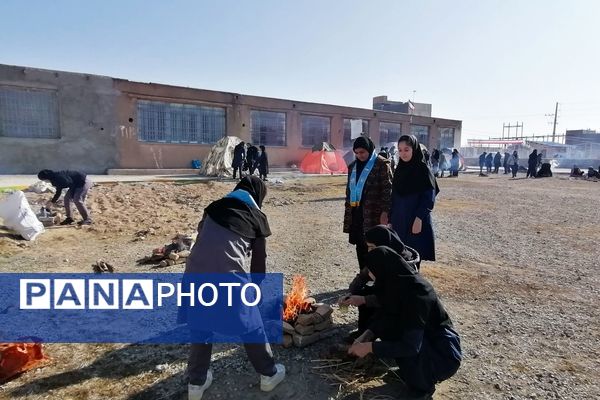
{"x": 16, "y": 358}
{"x": 324, "y": 159}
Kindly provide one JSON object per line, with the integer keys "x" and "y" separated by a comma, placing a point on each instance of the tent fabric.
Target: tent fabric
{"x": 323, "y": 146}
{"x": 324, "y": 162}
{"x": 218, "y": 162}
{"x": 16, "y": 358}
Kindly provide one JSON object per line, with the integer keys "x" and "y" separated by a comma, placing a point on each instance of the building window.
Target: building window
{"x": 268, "y": 128}
{"x": 348, "y": 131}
{"x": 315, "y": 130}
{"x": 446, "y": 138}
{"x": 421, "y": 132}
{"x": 389, "y": 132}
{"x": 179, "y": 123}
{"x": 29, "y": 113}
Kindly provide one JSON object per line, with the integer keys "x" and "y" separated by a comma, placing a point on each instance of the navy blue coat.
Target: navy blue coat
{"x": 404, "y": 211}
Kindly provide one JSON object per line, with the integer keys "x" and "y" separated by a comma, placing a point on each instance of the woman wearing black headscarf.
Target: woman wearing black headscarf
{"x": 413, "y": 198}
{"x": 532, "y": 164}
{"x": 362, "y": 290}
{"x": 412, "y": 324}
{"x": 231, "y": 229}
{"x": 368, "y": 194}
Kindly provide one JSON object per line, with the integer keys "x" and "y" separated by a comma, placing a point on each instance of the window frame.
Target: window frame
{"x": 285, "y": 127}
{"x": 178, "y": 123}
{"x": 302, "y": 117}
{"x": 52, "y": 114}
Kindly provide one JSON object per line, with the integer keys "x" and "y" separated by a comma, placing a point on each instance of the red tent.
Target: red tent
{"x": 324, "y": 159}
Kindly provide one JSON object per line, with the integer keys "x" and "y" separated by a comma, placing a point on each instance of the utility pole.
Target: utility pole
{"x": 554, "y": 129}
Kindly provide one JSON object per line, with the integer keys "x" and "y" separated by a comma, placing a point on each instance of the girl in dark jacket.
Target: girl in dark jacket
{"x": 368, "y": 194}
{"x": 78, "y": 185}
{"x": 263, "y": 163}
{"x": 239, "y": 158}
{"x": 532, "y": 164}
{"x": 412, "y": 324}
{"x": 413, "y": 197}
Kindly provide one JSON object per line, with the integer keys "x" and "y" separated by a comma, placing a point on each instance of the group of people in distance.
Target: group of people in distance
{"x": 247, "y": 157}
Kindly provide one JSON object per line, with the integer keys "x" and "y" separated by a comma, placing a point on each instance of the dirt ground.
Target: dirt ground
{"x": 517, "y": 270}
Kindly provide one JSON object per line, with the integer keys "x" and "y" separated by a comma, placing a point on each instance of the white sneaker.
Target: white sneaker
{"x": 268, "y": 383}
{"x": 195, "y": 392}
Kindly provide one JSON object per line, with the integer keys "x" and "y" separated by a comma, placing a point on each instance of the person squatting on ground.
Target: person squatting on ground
{"x": 368, "y": 194}
{"x": 231, "y": 229}
{"x": 412, "y": 325}
{"x": 362, "y": 291}
{"x": 78, "y": 184}
{"x": 413, "y": 196}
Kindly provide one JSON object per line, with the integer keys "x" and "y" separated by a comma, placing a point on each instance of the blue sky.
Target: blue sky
{"x": 485, "y": 62}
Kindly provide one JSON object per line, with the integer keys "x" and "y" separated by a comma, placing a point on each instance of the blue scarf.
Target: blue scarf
{"x": 244, "y": 197}
{"x": 356, "y": 188}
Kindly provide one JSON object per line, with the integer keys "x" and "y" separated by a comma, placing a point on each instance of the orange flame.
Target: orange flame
{"x": 295, "y": 303}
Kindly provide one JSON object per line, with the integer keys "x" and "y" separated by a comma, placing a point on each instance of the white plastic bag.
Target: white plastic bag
{"x": 18, "y": 216}
{"x": 41, "y": 187}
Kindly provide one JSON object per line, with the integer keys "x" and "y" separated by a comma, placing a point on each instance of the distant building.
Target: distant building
{"x": 582, "y": 136}
{"x": 382, "y": 103}
{"x": 65, "y": 120}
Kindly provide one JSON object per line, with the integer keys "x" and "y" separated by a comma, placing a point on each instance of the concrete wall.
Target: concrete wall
{"x": 98, "y": 124}
{"x": 87, "y": 124}
{"x": 136, "y": 154}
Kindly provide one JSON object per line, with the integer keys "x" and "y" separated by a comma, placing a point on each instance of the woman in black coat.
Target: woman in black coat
{"x": 239, "y": 158}
{"x": 532, "y": 164}
{"x": 414, "y": 190}
{"x": 412, "y": 325}
{"x": 263, "y": 163}
{"x": 362, "y": 290}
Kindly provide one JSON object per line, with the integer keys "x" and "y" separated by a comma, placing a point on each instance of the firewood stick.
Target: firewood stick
{"x": 332, "y": 365}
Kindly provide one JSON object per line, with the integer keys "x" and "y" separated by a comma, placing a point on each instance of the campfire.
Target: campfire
{"x": 304, "y": 320}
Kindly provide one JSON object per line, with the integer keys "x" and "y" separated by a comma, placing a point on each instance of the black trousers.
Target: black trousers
{"x": 365, "y": 314}
{"x": 236, "y": 169}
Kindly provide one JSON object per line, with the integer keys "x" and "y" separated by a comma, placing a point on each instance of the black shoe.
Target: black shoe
{"x": 85, "y": 222}
{"x": 67, "y": 221}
